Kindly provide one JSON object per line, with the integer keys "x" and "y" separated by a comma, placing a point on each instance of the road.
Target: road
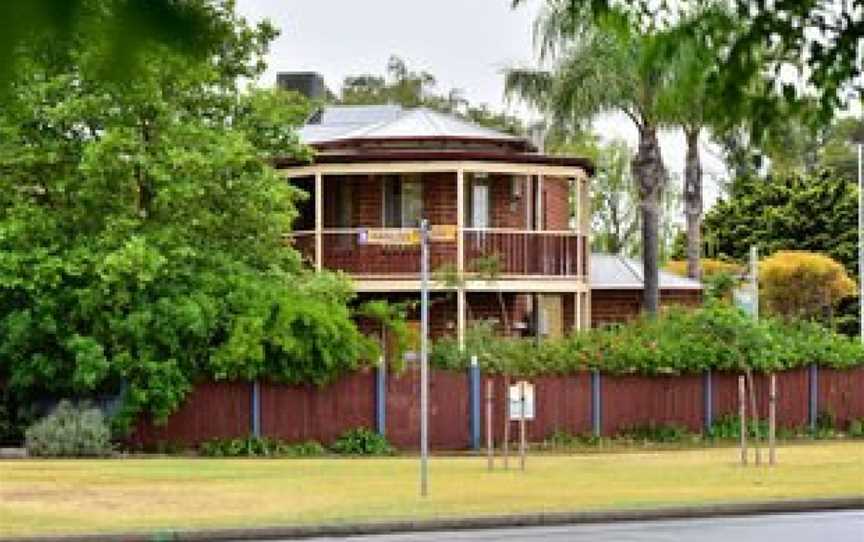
{"x": 821, "y": 527}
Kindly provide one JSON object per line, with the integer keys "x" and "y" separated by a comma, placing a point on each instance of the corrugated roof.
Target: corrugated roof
{"x": 616, "y": 272}
{"x": 391, "y": 122}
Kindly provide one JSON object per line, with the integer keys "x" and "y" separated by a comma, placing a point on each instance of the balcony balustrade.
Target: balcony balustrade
{"x": 508, "y": 253}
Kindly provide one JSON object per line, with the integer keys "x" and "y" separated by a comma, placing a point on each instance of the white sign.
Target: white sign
{"x": 522, "y": 393}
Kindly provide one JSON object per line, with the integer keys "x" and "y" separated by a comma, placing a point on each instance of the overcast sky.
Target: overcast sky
{"x": 465, "y": 44}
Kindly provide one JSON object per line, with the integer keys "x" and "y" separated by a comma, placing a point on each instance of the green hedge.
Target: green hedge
{"x": 717, "y": 337}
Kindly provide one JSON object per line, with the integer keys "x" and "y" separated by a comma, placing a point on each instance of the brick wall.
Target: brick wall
{"x": 615, "y": 306}
{"x": 556, "y": 194}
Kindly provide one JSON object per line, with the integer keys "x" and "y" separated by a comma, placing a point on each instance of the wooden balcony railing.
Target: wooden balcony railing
{"x": 525, "y": 253}
{"x": 510, "y": 253}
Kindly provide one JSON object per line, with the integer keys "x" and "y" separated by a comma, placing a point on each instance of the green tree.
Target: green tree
{"x": 817, "y": 213}
{"x": 600, "y": 68}
{"x": 142, "y": 230}
{"x": 125, "y": 28}
{"x": 817, "y": 39}
{"x": 408, "y": 88}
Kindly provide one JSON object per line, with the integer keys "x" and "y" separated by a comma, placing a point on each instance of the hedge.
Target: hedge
{"x": 717, "y": 337}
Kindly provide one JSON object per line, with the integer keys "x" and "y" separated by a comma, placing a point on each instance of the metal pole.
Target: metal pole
{"x": 424, "y": 357}
{"x": 522, "y": 443}
{"x": 742, "y": 419}
{"x": 861, "y": 238}
{"x": 489, "y": 452}
{"x": 772, "y": 421}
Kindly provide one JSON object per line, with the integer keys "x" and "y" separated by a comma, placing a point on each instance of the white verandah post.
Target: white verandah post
{"x": 319, "y": 219}
{"x": 460, "y": 257}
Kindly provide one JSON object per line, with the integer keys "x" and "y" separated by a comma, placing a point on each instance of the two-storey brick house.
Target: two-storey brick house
{"x": 502, "y": 205}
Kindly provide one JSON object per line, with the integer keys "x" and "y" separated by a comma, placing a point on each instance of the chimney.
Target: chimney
{"x": 309, "y": 84}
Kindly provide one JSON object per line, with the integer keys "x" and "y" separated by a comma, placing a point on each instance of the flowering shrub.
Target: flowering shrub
{"x": 717, "y": 336}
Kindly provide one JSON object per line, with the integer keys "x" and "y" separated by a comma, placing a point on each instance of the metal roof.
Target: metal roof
{"x": 340, "y": 124}
{"x": 616, "y": 272}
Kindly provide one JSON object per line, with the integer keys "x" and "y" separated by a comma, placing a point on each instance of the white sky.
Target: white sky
{"x": 465, "y": 44}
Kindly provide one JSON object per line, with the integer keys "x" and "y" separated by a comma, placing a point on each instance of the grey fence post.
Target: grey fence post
{"x": 381, "y": 397}
{"x": 813, "y": 410}
{"x": 474, "y": 395}
{"x": 708, "y": 400}
{"x": 256, "y": 409}
{"x": 596, "y": 419}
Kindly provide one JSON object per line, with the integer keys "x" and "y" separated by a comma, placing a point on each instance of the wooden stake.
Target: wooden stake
{"x": 754, "y": 417}
{"x": 522, "y": 444}
{"x": 506, "y": 444}
{"x": 772, "y": 421}
{"x": 490, "y": 453}
{"x": 742, "y": 419}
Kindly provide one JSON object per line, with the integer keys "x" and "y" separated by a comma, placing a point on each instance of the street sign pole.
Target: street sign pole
{"x": 424, "y": 357}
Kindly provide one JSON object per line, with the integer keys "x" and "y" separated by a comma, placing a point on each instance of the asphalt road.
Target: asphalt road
{"x": 821, "y": 527}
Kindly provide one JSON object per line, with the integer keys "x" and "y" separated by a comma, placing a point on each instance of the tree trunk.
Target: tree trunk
{"x": 650, "y": 178}
{"x": 693, "y": 204}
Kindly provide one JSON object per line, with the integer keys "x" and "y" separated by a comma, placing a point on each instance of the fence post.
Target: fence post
{"x": 596, "y": 419}
{"x": 381, "y": 397}
{"x": 256, "y": 409}
{"x": 474, "y": 397}
{"x": 813, "y": 410}
{"x": 708, "y": 400}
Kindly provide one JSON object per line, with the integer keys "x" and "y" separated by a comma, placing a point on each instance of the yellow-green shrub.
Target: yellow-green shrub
{"x": 802, "y": 284}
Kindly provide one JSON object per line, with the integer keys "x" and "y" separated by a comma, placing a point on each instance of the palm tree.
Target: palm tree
{"x": 600, "y": 68}
{"x": 691, "y": 103}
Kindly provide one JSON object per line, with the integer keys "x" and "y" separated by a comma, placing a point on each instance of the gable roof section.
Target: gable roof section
{"x": 344, "y": 125}
{"x": 615, "y": 272}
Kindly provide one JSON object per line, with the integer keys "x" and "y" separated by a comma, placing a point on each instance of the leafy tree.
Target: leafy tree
{"x": 409, "y": 88}
{"x": 799, "y": 284}
{"x": 603, "y": 68}
{"x": 817, "y": 213}
{"x": 818, "y": 39}
{"x": 142, "y": 231}
{"x": 614, "y": 214}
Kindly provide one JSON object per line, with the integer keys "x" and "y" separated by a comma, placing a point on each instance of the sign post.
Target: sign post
{"x": 424, "y": 357}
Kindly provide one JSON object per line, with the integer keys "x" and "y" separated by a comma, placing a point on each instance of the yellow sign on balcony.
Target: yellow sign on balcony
{"x": 443, "y": 233}
{"x": 389, "y": 236}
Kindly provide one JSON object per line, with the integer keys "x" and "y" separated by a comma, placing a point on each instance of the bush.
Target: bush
{"x": 259, "y": 447}
{"x": 362, "y": 441}
{"x": 717, "y": 337}
{"x": 802, "y": 284}
{"x": 663, "y": 433}
{"x": 563, "y": 440}
{"x": 856, "y": 428}
{"x": 69, "y": 431}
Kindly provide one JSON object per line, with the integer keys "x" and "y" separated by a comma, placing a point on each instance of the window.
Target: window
{"x": 403, "y": 201}
{"x": 478, "y": 209}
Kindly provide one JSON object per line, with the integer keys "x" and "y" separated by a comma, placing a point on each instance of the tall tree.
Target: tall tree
{"x": 408, "y": 88}
{"x": 819, "y": 40}
{"x": 142, "y": 228}
{"x": 601, "y": 68}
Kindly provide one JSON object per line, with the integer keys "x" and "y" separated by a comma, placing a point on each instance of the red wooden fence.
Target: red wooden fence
{"x": 297, "y": 413}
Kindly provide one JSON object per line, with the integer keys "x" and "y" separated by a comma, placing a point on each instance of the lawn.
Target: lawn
{"x": 75, "y": 496}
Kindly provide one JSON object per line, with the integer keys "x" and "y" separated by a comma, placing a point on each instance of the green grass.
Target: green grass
{"x": 77, "y": 496}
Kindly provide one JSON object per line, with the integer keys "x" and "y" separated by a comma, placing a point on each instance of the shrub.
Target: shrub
{"x": 562, "y": 440}
{"x": 664, "y": 433}
{"x": 728, "y": 427}
{"x": 802, "y": 284}
{"x": 259, "y": 447}
{"x": 362, "y": 441}
{"x": 69, "y": 431}
{"x": 718, "y": 337}
{"x": 856, "y": 428}
{"x": 710, "y": 267}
